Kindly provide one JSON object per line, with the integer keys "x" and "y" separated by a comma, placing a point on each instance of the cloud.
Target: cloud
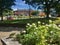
{"x": 20, "y": 5}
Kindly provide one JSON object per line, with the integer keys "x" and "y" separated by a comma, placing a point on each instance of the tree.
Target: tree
{"x": 58, "y": 10}
{"x": 35, "y": 13}
{"x": 29, "y": 4}
{"x": 5, "y": 4}
{"x": 48, "y": 4}
{"x": 8, "y": 12}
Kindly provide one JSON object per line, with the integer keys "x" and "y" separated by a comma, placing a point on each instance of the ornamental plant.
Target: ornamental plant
{"x": 37, "y": 34}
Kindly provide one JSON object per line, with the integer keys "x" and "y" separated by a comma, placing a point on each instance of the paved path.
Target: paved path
{"x": 1, "y": 43}
{"x": 3, "y": 34}
{"x": 6, "y": 31}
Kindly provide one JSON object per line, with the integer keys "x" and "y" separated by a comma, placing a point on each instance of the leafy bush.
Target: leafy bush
{"x": 37, "y": 34}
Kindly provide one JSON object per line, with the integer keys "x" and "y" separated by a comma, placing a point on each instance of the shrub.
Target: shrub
{"x": 46, "y": 34}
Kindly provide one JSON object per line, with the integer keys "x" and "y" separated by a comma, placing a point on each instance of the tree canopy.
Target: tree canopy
{"x": 5, "y": 5}
{"x": 48, "y": 4}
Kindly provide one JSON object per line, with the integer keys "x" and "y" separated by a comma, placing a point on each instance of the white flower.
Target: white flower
{"x": 43, "y": 37}
{"x": 39, "y": 22}
{"x": 51, "y": 32}
{"x": 50, "y": 21}
{"x": 43, "y": 23}
{"x": 45, "y": 40}
{"x": 33, "y": 24}
{"x": 47, "y": 25}
{"x": 48, "y": 44}
{"x": 59, "y": 25}
{"x": 24, "y": 31}
{"x": 35, "y": 33}
{"x": 28, "y": 23}
{"x": 36, "y": 28}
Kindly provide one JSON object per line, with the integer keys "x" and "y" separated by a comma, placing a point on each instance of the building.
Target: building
{"x": 22, "y": 12}
{"x": 42, "y": 14}
{"x": 26, "y": 13}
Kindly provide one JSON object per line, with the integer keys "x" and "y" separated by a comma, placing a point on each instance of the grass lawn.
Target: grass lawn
{"x": 32, "y": 20}
{"x": 57, "y": 21}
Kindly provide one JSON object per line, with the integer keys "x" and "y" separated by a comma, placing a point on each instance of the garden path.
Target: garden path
{"x": 6, "y": 31}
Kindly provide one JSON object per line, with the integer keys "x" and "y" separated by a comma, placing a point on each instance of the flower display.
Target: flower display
{"x": 37, "y": 34}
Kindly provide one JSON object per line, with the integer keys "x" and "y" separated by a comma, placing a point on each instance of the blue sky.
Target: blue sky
{"x": 20, "y": 5}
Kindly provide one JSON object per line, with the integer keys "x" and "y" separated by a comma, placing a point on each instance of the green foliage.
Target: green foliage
{"x": 48, "y": 4}
{"x": 5, "y": 5}
{"x": 35, "y": 13}
{"x": 8, "y": 12}
{"x": 22, "y": 22}
{"x": 37, "y": 34}
{"x": 18, "y": 37}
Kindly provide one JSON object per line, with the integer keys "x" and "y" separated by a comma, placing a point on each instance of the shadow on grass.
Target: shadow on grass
{"x": 17, "y": 24}
{"x": 9, "y": 29}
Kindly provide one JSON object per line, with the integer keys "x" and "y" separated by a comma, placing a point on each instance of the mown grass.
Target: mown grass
{"x": 31, "y": 20}
{"x": 57, "y": 21}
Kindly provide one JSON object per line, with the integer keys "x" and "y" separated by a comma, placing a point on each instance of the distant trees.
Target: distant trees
{"x": 8, "y": 12}
{"x": 48, "y": 4}
{"x": 58, "y": 10}
{"x": 5, "y": 5}
{"x": 29, "y": 4}
{"x": 35, "y": 13}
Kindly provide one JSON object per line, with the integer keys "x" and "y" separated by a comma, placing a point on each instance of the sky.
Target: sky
{"x": 20, "y": 5}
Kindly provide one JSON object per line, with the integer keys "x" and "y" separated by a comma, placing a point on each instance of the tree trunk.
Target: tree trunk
{"x": 1, "y": 16}
{"x": 47, "y": 13}
{"x": 29, "y": 11}
{"x": 47, "y": 10}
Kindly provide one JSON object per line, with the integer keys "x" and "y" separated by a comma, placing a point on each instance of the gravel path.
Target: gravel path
{"x": 6, "y": 31}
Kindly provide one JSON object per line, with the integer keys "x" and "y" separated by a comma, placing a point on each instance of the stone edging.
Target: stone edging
{"x": 9, "y": 42}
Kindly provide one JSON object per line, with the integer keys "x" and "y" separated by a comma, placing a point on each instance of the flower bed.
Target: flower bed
{"x": 37, "y": 34}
